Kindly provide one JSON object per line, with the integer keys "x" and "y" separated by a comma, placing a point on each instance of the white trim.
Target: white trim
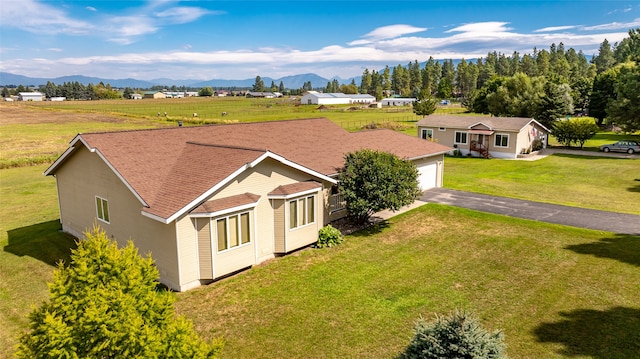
{"x": 175, "y": 227}
{"x": 480, "y": 123}
{"x": 212, "y": 243}
{"x": 227, "y": 234}
{"x": 93, "y": 150}
{"x": 466, "y": 137}
{"x": 502, "y": 135}
{"x": 197, "y": 238}
{"x": 102, "y": 201}
{"x": 423, "y": 130}
{"x": 232, "y": 176}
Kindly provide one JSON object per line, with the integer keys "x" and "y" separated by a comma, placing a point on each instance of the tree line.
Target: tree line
{"x": 546, "y": 84}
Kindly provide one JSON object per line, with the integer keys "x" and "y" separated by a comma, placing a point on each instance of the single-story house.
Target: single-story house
{"x": 319, "y": 98}
{"x": 135, "y": 96}
{"x": 208, "y": 201}
{"x": 397, "y": 101}
{"x": 30, "y": 96}
{"x": 154, "y": 94}
{"x": 501, "y": 137}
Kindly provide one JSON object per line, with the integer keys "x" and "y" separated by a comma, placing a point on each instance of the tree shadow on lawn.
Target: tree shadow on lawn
{"x": 43, "y": 241}
{"x": 621, "y": 247}
{"x": 607, "y": 334}
{"x": 635, "y": 188}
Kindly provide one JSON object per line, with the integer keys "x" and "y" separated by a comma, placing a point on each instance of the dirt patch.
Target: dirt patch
{"x": 13, "y": 113}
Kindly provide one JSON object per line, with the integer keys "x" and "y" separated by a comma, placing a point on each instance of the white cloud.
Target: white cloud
{"x": 35, "y": 17}
{"x": 181, "y": 15}
{"x": 388, "y": 32}
{"x": 614, "y": 26}
{"x": 91, "y": 8}
{"x": 556, "y": 28}
{"x": 54, "y": 49}
{"x": 486, "y": 27}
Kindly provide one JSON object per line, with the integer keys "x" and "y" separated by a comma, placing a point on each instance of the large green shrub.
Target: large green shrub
{"x": 106, "y": 304}
{"x": 329, "y": 236}
{"x": 456, "y": 336}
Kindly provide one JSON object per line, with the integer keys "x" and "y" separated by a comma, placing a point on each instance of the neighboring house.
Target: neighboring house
{"x": 397, "y": 101}
{"x": 319, "y": 98}
{"x": 154, "y": 94}
{"x": 135, "y": 96}
{"x": 501, "y": 137}
{"x": 209, "y": 201}
{"x": 30, "y": 96}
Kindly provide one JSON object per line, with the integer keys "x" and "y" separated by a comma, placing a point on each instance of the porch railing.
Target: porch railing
{"x": 336, "y": 203}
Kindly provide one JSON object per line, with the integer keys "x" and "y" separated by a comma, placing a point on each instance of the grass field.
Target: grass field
{"x": 580, "y": 181}
{"x": 555, "y": 291}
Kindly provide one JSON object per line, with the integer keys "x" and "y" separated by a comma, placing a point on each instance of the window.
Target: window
{"x": 233, "y": 231}
{"x": 502, "y": 140}
{"x": 461, "y": 137}
{"x": 302, "y": 211}
{"x": 102, "y": 209}
{"x": 442, "y": 129}
{"x": 426, "y": 134}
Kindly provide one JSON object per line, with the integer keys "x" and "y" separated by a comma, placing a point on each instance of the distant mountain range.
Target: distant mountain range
{"x": 290, "y": 82}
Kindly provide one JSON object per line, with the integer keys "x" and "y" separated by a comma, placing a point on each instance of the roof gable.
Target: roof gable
{"x": 173, "y": 170}
{"x": 507, "y": 124}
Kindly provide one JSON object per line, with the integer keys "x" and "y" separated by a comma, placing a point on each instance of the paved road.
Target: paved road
{"x": 551, "y": 213}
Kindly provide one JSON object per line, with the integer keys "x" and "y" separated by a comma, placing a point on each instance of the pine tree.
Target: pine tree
{"x": 106, "y": 304}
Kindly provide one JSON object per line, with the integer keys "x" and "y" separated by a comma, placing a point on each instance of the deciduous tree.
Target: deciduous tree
{"x": 373, "y": 181}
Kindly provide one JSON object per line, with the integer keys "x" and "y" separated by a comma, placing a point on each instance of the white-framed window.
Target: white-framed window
{"x": 461, "y": 138}
{"x": 302, "y": 211}
{"x": 426, "y": 134}
{"x": 502, "y": 140}
{"x": 102, "y": 209}
{"x": 442, "y": 128}
{"x": 233, "y": 231}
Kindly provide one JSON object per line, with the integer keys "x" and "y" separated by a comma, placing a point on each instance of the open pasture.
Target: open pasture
{"x": 557, "y": 292}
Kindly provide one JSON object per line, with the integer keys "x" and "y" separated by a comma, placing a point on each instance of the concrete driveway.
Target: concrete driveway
{"x": 551, "y": 213}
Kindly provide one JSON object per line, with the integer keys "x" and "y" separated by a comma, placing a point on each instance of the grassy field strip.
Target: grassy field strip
{"x": 580, "y": 181}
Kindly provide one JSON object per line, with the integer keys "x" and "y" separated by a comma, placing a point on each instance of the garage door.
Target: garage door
{"x": 427, "y": 176}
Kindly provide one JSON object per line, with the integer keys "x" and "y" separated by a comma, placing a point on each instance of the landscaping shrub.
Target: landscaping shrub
{"x": 329, "y": 236}
{"x": 456, "y": 336}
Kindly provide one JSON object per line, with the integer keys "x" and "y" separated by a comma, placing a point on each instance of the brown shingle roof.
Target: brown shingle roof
{"x": 510, "y": 124}
{"x": 170, "y": 168}
{"x": 294, "y": 188}
{"x": 225, "y": 203}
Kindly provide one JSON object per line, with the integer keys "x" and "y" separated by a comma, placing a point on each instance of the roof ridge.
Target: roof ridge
{"x": 227, "y": 146}
{"x": 201, "y": 126}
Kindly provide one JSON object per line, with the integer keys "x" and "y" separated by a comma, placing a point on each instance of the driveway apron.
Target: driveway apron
{"x": 544, "y": 212}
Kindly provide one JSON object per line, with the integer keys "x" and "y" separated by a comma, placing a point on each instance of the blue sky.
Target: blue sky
{"x": 204, "y": 40}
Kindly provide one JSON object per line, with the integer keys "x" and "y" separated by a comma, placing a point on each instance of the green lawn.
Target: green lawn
{"x": 555, "y": 291}
{"x": 581, "y": 181}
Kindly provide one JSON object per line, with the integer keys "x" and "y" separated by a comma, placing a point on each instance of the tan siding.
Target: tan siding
{"x": 301, "y": 236}
{"x": 278, "y": 220}
{"x": 188, "y": 252}
{"x": 261, "y": 180}
{"x": 84, "y": 176}
{"x": 204, "y": 248}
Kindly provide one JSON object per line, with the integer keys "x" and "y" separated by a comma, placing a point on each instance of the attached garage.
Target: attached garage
{"x": 429, "y": 172}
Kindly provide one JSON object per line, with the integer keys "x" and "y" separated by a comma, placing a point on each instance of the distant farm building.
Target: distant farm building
{"x": 264, "y": 94}
{"x": 397, "y": 101}
{"x": 57, "y": 99}
{"x": 319, "y": 98}
{"x": 154, "y": 94}
{"x": 30, "y": 96}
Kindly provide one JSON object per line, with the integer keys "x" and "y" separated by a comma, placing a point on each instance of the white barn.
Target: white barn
{"x": 397, "y": 101}
{"x": 30, "y": 96}
{"x": 319, "y": 98}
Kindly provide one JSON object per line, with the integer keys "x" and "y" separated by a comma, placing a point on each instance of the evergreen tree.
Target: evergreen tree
{"x": 624, "y": 110}
{"x": 107, "y": 304}
{"x": 258, "y": 85}
{"x": 365, "y": 82}
{"x": 281, "y": 87}
{"x": 555, "y": 104}
{"x": 604, "y": 60}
